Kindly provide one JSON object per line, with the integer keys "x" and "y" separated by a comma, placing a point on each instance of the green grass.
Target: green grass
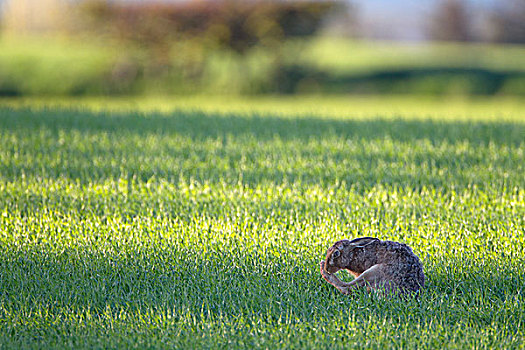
{"x": 201, "y": 223}
{"x": 369, "y": 56}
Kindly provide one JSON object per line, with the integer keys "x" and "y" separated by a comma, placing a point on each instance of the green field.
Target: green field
{"x": 201, "y": 222}
{"x": 86, "y": 67}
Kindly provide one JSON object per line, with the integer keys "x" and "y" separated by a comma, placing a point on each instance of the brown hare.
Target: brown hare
{"x": 384, "y": 266}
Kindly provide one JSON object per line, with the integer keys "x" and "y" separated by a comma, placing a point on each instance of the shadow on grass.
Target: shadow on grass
{"x": 201, "y": 125}
{"x": 219, "y": 284}
{"x": 231, "y": 286}
{"x": 438, "y": 80}
{"x": 398, "y": 152}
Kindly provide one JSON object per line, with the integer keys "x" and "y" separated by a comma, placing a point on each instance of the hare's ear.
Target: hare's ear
{"x": 336, "y": 253}
{"x": 342, "y": 244}
{"x": 363, "y": 241}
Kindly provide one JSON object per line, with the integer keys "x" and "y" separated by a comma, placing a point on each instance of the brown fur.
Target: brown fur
{"x": 379, "y": 265}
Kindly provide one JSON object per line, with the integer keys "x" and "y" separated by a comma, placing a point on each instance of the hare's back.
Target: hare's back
{"x": 404, "y": 267}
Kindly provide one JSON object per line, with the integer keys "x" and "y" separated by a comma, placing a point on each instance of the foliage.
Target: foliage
{"x": 37, "y": 67}
{"x": 235, "y": 25}
{"x": 133, "y": 228}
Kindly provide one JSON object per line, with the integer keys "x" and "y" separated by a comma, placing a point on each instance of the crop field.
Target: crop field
{"x": 200, "y": 223}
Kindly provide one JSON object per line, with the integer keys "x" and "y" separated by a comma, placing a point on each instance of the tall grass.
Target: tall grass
{"x": 184, "y": 229}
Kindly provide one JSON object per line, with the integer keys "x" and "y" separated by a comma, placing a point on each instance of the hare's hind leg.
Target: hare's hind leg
{"x": 371, "y": 277}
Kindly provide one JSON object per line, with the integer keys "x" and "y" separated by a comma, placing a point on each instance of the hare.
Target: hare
{"x": 385, "y": 266}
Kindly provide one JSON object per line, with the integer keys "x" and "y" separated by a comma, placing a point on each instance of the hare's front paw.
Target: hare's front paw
{"x": 322, "y": 267}
{"x": 327, "y": 276}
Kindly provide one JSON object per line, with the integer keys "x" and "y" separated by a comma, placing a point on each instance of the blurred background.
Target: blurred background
{"x": 133, "y": 47}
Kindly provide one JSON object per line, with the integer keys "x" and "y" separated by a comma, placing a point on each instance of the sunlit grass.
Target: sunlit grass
{"x": 197, "y": 223}
{"x": 450, "y": 108}
{"x": 363, "y": 56}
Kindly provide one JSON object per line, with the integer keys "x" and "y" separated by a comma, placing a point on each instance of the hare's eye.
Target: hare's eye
{"x": 336, "y": 254}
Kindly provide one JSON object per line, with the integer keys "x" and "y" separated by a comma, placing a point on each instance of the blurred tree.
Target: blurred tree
{"x": 234, "y": 24}
{"x": 450, "y": 21}
{"x": 186, "y": 31}
{"x": 507, "y": 22}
